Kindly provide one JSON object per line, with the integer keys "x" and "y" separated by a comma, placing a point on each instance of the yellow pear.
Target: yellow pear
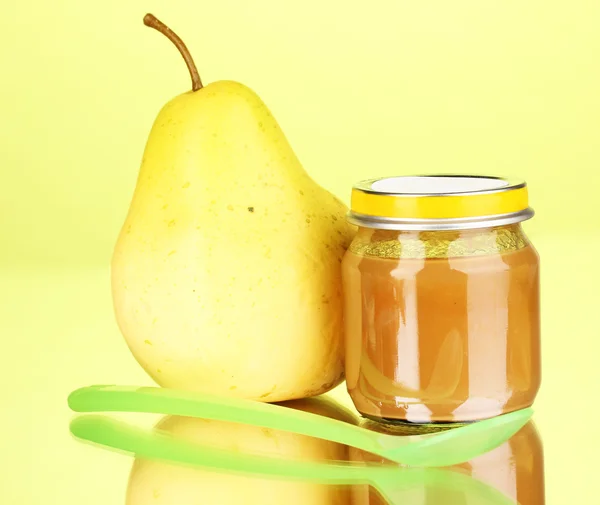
{"x": 226, "y": 274}
{"x": 162, "y": 483}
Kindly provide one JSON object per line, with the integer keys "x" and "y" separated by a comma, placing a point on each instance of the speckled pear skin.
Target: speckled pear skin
{"x": 226, "y": 275}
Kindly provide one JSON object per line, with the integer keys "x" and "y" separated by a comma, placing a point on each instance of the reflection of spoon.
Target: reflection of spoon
{"x": 438, "y": 449}
{"x": 390, "y": 481}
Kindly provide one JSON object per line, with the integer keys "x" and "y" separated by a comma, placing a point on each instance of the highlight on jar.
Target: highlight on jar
{"x": 441, "y": 299}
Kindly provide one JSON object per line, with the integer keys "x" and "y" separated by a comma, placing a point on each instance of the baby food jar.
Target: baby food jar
{"x": 441, "y": 299}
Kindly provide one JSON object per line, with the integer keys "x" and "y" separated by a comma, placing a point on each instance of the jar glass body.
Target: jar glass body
{"x": 441, "y": 326}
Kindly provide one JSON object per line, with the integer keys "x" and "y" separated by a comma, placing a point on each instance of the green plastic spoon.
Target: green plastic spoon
{"x": 395, "y": 484}
{"x": 450, "y": 447}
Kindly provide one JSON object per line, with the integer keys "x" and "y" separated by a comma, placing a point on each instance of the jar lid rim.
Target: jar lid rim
{"x": 435, "y": 197}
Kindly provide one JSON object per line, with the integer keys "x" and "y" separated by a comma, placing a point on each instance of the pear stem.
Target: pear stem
{"x": 153, "y": 22}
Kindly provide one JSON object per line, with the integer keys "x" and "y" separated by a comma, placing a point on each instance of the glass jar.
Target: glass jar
{"x": 441, "y": 300}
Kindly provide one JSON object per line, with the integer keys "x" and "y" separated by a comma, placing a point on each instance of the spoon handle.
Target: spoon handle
{"x": 192, "y": 404}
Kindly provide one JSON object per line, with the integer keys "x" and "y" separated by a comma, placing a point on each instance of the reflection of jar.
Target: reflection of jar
{"x": 441, "y": 290}
{"x": 515, "y": 468}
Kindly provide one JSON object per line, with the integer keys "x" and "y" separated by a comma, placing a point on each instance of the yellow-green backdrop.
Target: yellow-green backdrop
{"x": 362, "y": 89}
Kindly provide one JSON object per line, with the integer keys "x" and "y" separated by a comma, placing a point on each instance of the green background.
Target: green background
{"x": 495, "y": 87}
{"x": 362, "y": 89}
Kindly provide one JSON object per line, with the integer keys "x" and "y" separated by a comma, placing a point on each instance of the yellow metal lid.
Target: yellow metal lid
{"x": 439, "y": 202}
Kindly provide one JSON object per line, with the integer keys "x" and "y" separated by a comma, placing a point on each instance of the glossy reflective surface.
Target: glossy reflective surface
{"x": 58, "y": 334}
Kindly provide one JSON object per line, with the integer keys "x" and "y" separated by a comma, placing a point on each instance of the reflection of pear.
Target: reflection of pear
{"x": 158, "y": 483}
{"x": 226, "y": 275}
